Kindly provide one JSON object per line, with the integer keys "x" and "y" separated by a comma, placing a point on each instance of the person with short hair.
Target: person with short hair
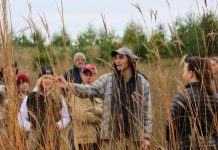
{"x": 194, "y": 110}
{"x": 75, "y": 74}
{"x": 127, "y": 116}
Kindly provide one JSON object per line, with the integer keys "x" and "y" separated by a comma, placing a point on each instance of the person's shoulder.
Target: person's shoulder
{"x": 2, "y": 88}
{"x": 179, "y": 99}
{"x": 31, "y": 95}
{"x": 31, "y": 99}
{"x": 142, "y": 76}
{"x": 107, "y": 75}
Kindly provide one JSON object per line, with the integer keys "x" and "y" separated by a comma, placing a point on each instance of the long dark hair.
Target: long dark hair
{"x": 202, "y": 69}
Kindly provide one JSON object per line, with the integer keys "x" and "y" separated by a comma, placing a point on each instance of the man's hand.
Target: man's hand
{"x": 145, "y": 144}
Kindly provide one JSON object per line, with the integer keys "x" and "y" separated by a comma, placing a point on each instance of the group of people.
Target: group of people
{"x": 115, "y": 110}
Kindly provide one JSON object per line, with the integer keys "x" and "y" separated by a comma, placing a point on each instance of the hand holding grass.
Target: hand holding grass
{"x": 145, "y": 144}
{"x": 61, "y": 82}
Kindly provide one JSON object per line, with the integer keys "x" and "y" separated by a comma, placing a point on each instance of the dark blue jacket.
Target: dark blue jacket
{"x": 193, "y": 114}
{"x": 73, "y": 75}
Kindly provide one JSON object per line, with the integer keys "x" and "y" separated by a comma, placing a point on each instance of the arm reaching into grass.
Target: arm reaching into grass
{"x": 95, "y": 89}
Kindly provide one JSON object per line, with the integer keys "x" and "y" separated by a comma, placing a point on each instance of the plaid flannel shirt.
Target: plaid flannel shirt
{"x": 104, "y": 88}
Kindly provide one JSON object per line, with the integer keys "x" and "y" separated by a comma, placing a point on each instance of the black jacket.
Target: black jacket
{"x": 73, "y": 75}
{"x": 193, "y": 114}
{"x": 41, "y": 111}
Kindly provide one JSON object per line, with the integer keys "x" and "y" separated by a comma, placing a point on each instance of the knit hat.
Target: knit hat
{"x": 21, "y": 78}
{"x": 77, "y": 55}
{"x": 45, "y": 70}
{"x": 90, "y": 67}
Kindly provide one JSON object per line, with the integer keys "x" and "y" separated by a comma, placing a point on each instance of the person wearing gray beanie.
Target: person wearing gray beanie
{"x": 79, "y": 55}
{"x": 75, "y": 74}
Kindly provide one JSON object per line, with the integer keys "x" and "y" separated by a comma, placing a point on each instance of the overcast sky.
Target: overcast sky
{"x": 79, "y": 13}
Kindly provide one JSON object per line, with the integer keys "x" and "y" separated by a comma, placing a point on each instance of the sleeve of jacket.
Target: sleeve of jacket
{"x": 65, "y": 116}
{"x": 177, "y": 106}
{"x": 146, "y": 103}
{"x": 95, "y": 89}
{"x": 177, "y": 115}
{"x": 67, "y": 75}
{"x": 23, "y": 117}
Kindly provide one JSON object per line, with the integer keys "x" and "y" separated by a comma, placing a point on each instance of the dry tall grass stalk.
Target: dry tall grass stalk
{"x": 12, "y": 136}
{"x": 159, "y": 79}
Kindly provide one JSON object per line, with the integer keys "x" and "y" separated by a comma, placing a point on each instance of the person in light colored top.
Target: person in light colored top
{"x": 43, "y": 113}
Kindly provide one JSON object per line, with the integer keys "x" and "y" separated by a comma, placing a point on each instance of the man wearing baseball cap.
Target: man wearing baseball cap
{"x": 127, "y": 118}
{"x": 87, "y": 113}
{"x": 89, "y": 72}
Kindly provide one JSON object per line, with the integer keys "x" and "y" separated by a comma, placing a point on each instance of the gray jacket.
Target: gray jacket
{"x": 106, "y": 88}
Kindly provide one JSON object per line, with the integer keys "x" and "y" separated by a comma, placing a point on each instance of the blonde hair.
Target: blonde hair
{"x": 54, "y": 95}
{"x": 39, "y": 82}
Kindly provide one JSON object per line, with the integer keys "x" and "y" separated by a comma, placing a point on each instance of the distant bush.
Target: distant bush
{"x": 23, "y": 41}
{"x": 58, "y": 39}
{"x": 158, "y": 40}
{"x": 45, "y": 57}
{"x": 84, "y": 41}
{"x": 134, "y": 37}
{"x": 196, "y": 36}
{"x": 107, "y": 43}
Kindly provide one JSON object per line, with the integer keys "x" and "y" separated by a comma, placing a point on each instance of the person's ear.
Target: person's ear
{"x": 192, "y": 74}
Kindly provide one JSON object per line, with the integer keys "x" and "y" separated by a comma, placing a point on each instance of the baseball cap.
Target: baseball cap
{"x": 45, "y": 70}
{"x": 90, "y": 67}
{"x": 124, "y": 51}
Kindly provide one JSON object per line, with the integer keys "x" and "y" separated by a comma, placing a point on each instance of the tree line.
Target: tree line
{"x": 196, "y": 36}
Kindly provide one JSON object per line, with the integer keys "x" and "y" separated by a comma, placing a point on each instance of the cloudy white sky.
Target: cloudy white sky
{"x": 79, "y": 13}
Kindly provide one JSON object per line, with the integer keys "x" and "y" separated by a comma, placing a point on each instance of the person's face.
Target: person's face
{"x": 187, "y": 74}
{"x": 214, "y": 66}
{"x": 88, "y": 77}
{"x": 121, "y": 61}
{"x": 47, "y": 82}
{"x": 80, "y": 62}
{"x": 24, "y": 87}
